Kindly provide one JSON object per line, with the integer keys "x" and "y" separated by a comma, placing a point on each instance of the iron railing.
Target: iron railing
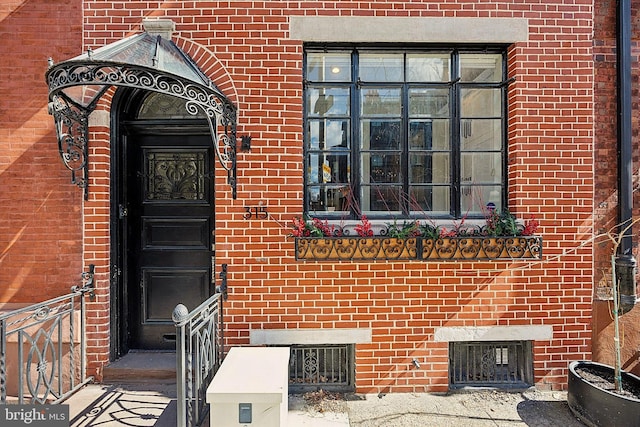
{"x": 43, "y": 346}
{"x": 199, "y": 353}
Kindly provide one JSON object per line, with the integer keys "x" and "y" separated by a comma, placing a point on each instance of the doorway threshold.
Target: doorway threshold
{"x": 141, "y": 366}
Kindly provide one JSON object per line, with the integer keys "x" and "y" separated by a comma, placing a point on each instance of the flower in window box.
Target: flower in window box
{"x": 311, "y": 228}
{"x": 364, "y": 228}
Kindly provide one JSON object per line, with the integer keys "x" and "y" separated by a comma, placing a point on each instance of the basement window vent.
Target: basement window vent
{"x": 326, "y": 367}
{"x": 504, "y": 364}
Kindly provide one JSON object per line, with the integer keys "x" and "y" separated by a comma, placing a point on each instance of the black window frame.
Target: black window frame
{"x": 455, "y": 85}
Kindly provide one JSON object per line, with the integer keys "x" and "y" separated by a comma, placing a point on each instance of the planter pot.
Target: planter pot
{"x": 418, "y": 248}
{"x": 596, "y": 406}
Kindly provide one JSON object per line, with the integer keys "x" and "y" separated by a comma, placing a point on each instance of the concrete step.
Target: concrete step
{"x": 140, "y": 367}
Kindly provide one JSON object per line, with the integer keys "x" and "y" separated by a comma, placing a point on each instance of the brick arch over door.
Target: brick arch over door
{"x": 211, "y": 66}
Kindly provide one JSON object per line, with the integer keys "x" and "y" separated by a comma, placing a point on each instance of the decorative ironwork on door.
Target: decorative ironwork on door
{"x": 175, "y": 176}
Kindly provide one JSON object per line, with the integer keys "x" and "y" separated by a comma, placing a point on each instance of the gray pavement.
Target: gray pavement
{"x": 155, "y": 405}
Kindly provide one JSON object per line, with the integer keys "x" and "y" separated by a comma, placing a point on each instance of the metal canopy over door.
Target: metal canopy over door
{"x": 170, "y": 217}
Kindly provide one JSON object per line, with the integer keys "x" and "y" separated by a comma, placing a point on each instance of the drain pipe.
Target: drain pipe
{"x": 625, "y": 264}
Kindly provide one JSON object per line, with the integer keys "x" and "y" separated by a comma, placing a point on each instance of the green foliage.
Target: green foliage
{"x": 429, "y": 231}
{"x": 501, "y": 223}
{"x": 404, "y": 231}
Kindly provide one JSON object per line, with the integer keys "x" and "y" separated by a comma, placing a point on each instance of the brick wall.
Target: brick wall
{"x": 606, "y": 180}
{"x": 403, "y": 303}
{"x": 40, "y": 210}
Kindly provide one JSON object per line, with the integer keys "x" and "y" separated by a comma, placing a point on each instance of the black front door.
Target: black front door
{"x": 170, "y": 228}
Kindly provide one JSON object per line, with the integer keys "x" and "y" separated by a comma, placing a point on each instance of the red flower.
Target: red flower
{"x": 300, "y": 228}
{"x": 444, "y": 233}
{"x": 364, "y": 228}
{"x": 530, "y": 227}
{"x": 322, "y": 227}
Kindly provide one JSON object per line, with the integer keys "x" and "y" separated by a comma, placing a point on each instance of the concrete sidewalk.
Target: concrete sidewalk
{"x": 123, "y": 405}
{"x": 155, "y": 405}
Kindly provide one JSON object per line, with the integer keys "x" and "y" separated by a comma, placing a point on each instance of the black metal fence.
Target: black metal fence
{"x": 43, "y": 348}
{"x": 199, "y": 352}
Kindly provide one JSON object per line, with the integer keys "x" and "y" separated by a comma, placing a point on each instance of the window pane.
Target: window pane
{"x": 328, "y": 168}
{"x": 420, "y": 135}
{"x": 328, "y": 101}
{"x": 381, "y": 67}
{"x": 380, "y": 135}
{"x": 428, "y": 67}
{"x": 381, "y": 199}
{"x": 429, "y": 102}
{"x": 380, "y": 102}
{"x": 481, "y": 103}
{"x": 481, "y": 134}
{"x": 440, "y": 134}
{"x": 430, "y": 199}
{"x": 429, "y": 135}
{"x": 325, "y": 200}
{"x": 479, "y": 168}
{"x": 329, "y": 67}
{"x": 161, "y": 106}
{"x": 480, "y": 67}
{"x": 420, "y": 169}
{"x": 381, "y": 168}
{"x": 326, "y": 134}
{"x": 429, "y": 168}
{"x": 474, "y": 199}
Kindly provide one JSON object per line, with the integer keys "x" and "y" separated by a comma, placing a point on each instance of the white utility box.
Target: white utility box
{"x": 251, "y": 388}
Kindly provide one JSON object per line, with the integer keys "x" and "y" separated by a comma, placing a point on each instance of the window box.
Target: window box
{"x": 482, "y": 248}
{"x": 417, "y": 248}
{"x": 355, "y": 248}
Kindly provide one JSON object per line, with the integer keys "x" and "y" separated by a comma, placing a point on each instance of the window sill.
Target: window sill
{"x": 418, "y": 248}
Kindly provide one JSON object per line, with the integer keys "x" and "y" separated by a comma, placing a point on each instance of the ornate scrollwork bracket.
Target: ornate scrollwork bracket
{"x": 72, "y": 130}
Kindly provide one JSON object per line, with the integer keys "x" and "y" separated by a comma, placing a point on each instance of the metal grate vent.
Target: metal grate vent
{"x": 327, "y": 367}
{"x": 496, "y": 364}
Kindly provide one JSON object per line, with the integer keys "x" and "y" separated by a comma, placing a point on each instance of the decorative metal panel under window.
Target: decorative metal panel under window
{"x": 498, "y": 364}
{"x": 327, "y": 367}
{"x": 175, "y": 175}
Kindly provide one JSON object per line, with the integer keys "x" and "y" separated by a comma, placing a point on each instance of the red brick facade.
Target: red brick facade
{"x": 40, "y": 229}
{"x": 557, "y": 133}
{"x": 606, "y": 195}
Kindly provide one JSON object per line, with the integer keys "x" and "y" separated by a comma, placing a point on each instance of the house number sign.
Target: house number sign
{"x": 256, "y": 212}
